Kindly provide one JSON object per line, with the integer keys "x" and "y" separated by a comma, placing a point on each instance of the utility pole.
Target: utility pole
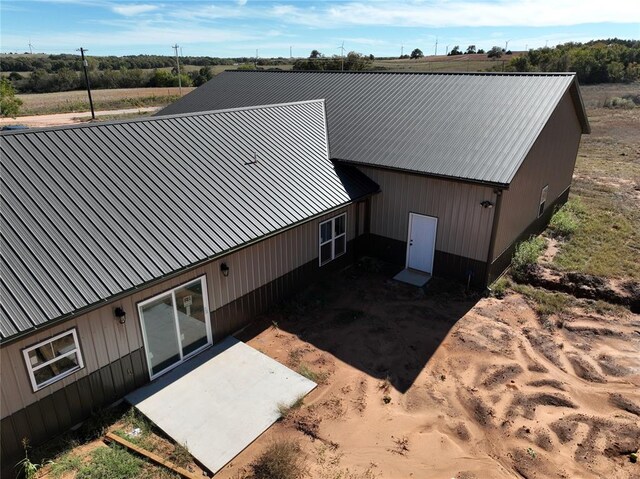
{"x": 506, "y": 45}
{"x": 342, "y": 56}
{"x": 86, "y": 79}
{"x": 30, "y": 47}
{"x": 255, "y": 61}
{"x": 401, "y": 50}
{"x": 447, "y": 52}
{"x": 436, "y": 46}
{"x": 290, "y": 52}
{"x": 175, "y": 47}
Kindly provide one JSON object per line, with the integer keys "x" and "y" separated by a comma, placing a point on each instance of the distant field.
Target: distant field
{"x": 443, "y": 63}
{"x": 71, "y": 101}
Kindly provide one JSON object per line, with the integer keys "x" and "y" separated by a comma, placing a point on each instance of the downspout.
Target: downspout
{"x": 494, "y": 233}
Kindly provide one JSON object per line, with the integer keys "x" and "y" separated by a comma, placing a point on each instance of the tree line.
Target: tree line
{"x": 40, "y": 81}
{"x": 599, "y": 61}
{"x": 55, "y": 63}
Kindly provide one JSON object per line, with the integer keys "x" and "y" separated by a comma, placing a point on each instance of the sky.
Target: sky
{"x": 279, "y": 28}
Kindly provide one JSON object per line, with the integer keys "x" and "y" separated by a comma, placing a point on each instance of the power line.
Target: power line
{"x": 86, "y": 79}
{"x": 175, "y": 47}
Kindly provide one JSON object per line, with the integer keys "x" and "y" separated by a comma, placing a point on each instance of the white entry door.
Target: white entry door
{"x": 421, "y": 244}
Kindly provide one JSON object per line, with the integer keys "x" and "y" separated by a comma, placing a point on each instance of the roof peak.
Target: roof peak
{"x": 154, "y": 118}
{"x": 411, "y": 73}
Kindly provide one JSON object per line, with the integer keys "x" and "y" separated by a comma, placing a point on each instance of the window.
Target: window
{"x": 53, "y": 359}
{"x": 543, "y": 200}
{"x": 333, "y": 238}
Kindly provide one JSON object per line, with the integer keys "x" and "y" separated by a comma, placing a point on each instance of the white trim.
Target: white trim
{"x": 331, "y": 240}
{"x": 207, "y": 317}
{"x": 32, "y": 369}
{"x": 433, "y": 256}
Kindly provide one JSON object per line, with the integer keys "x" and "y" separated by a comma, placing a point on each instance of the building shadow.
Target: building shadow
{"x": 386, "y": 329}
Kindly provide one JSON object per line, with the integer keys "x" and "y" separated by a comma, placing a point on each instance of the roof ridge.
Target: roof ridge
{"x": 403, "y": 72}
{"x": 154, "y": 118}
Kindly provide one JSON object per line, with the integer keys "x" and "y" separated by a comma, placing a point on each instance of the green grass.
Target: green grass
{"x": 544, "y": 302}
{"x": 526, "y": 255}
{"x": 566, "y": 220}
{"x": 111, "y": 463}
{"x": 606, "y": 241}
{"x": 68, "y": 462}
{"x": 500, "y": 287}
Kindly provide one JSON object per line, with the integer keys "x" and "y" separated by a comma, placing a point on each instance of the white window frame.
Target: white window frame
{"x": 172, "y": 294}
{"x": 543, "y": 200}
{"x": 31, "y": 369}
{"x": 333, "y": 239}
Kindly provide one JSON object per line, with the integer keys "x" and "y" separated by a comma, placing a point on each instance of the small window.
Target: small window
{"x": 543, "y": 200}
{"x": 333, "y": 238}
{"x": 53, "y": 359}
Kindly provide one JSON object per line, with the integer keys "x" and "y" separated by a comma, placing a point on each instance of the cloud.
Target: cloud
{"x": 131, "y": 10}
{"x": 241, "y": 2}
{"x": 459, "y": 13}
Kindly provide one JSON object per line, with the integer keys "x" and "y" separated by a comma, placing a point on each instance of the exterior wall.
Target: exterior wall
{"x": 113, "y": 353}
{"x": 464, "y": 226}
{"x": 551, "y": 161}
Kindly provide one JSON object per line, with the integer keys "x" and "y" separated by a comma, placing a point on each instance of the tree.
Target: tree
{"x": 481, "y": 51}
{"x": 455, "y": 51}
{"x": 315, "y": 54}
{"x": 471, "y": 49}
{"x": 417, "y": 53}
{"x": 9, "y": 104}
{"x": 495, "y": 52}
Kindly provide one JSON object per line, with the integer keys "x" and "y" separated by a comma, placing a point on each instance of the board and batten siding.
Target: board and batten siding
{"x": 464, "y": 226}
{"x": 551, "y": 161}
{"x": 103, "y": 340}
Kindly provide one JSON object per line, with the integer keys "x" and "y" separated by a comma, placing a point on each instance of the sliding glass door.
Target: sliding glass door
{"x": 175, "y": 325}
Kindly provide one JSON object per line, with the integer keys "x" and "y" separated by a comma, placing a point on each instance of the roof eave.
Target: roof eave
{"x": 492, "y": 184}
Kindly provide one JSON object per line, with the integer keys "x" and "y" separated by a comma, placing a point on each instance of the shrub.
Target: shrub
{"x": 618, "y": 102}
{"x": 526, "y": 257}
{"x": 563, "y": 223}
{"x": 499, "y": 287}
{"x": 281, "y": 460}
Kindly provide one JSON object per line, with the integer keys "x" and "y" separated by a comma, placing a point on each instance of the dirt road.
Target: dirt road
{"x": 39, "y": 121}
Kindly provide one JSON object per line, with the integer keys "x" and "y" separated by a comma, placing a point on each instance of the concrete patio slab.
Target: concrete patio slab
{"x": 220, "y": 401}
{"x": 410, "y": 276}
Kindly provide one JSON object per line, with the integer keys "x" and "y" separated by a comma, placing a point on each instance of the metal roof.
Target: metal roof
{"x": 475, "y": 127}
{"x": 91, "y": 212}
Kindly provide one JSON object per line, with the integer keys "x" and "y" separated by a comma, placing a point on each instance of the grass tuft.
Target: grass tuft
{"x": 526, "y": 256}
{"x": 285, "y": 410}
{"x": 565, "y": 221}
{"x": 281, "y": 460}
{"x": 315, "y": 376}
{"x": 499, "y": 287}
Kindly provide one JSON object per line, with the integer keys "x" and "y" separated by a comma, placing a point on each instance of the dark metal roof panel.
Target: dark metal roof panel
{"x": 94, "y": 211}
{"x": 476, "y": 127}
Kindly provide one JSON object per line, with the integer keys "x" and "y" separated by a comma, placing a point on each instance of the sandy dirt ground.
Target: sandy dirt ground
{"x": 59, "y": 119}
{"x": 440, "y": 384}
